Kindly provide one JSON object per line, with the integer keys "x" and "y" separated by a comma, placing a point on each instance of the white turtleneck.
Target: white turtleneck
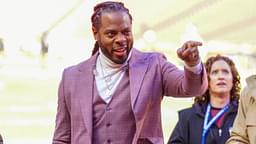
{"x": 109, "y": 75}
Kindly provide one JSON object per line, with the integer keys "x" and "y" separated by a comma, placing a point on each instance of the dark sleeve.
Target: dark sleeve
{"x": 1, "y": 139}
{"x": 180, "y": 133}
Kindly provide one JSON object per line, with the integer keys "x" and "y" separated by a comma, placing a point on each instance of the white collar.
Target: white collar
{"x": 108, "y": 63}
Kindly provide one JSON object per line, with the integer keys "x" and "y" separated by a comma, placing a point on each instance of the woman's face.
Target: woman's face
{"x": 221, "y": 78}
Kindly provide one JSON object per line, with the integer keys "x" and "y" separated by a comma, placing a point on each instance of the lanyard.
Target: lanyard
{"x": 207, "y": 124}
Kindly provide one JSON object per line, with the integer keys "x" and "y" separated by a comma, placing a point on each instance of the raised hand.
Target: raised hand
{"x": 189, "y": 53}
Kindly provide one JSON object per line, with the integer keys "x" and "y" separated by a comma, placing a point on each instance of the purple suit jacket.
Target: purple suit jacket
{"x": 151, "y": 78}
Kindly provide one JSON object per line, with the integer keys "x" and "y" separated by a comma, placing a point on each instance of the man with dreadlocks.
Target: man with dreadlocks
{"x": 115, "y": 96}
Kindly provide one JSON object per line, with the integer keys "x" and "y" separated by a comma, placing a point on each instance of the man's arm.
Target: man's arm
{"x": 62, "y": 133}
{"x": 1, "y": 139}
{"x": 190, "y": 82}
{"x": 189, "y": 53}
{"x": 239, "y": 131}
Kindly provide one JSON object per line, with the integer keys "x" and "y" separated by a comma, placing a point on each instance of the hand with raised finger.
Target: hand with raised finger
{"x": 189, "y": 53}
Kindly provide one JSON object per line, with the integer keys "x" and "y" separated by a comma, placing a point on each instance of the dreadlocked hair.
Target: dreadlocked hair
{"x": 235, "y": 90}
{"x": 99, "y": 9}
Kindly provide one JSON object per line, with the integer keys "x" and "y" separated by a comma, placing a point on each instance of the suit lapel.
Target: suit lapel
{"x": 84, "y": 90}
{"x": 137, "y": 69}
{"x": 85, "y": 81}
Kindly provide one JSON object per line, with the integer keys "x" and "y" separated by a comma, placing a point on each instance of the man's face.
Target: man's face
{"x": 221, "y": 78}
{"x": 114, "y": 36}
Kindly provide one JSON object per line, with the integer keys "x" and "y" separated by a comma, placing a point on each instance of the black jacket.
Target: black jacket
{"x": 1, "y": 139}
{"x": 189, "y": 127}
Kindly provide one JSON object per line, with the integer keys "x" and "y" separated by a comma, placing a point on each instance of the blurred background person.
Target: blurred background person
{"x": 44, "y": 44}
{"x": 1, "y": 139}
{"x": 244, "y": 129}
{"x": 1, "y": 45}
{"x": 211, "y": 117}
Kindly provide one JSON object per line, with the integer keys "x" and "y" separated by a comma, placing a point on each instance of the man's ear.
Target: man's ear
{"x": 95, "y": 33}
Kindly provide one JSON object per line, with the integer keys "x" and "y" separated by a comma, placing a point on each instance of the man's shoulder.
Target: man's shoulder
{"x": 251, "y": 81}
{"x": 83, "y": 65}
{"x": 140, "y": 52}
{"x": 144, "y": 54}
{"x": 249, "y": 90}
